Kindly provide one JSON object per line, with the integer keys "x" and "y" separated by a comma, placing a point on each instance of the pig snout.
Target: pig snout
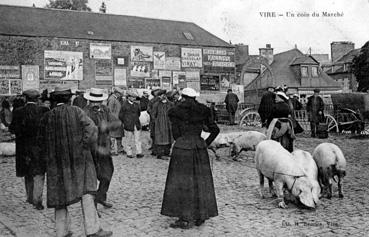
{"x": 303, "y": 190}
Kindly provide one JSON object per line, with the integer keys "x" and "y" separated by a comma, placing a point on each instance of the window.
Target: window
{"x": 314, "y": 71}
{"x": 304, "y": 72}
{"x": 188, "y": 35}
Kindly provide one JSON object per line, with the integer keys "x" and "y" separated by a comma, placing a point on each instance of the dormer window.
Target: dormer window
{"x": 304, "y": 71}
{"x": 188, "y": 35}
{"x": 314, "y": 71}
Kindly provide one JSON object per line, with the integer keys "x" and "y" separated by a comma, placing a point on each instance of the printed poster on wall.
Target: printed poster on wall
{"x": 209, "y": 82}
{"x": 104, "y": 70}
{"x": 15, "y": 87}
{"x": 152, "y": 83}
{"x": 176, "y": 76}
{"x": 140, "y": 69}
{"x": 9, "y": 72}
{"x": 100, "y": 51}
{"x": 120, "y": 77}
{"x": 63, "y": 65}
{"x": 136, "y": 83}
{"x": 159, "y": 60}
{"x": 30, "y": 77}
{"x": 193, "y": 80}
{"x": 173, "y": 63}
{"x": 4, "y": 87}
{"x": 239, "y": 91}
{"x": 191, "y": 57}
{"x": 218, "y": 58}
{"x": 141, "y": 53}
{"x": 225, "y": 82}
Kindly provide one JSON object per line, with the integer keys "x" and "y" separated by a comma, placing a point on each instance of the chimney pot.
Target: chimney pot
{"x": 268, "y": 46}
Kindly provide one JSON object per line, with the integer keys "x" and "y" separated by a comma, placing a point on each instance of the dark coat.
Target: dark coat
{"x": 68, "y": 137}
{"x": 163, "y": 129}
{"x": 189, "y": 189}
{"x": 231, "y": 101}
{"x": 80, "y": 101}
{"x": 114, "y": 105}
{"x": 25, "y": 125}
{"x": 315, "y": 105}
{"x": 266, "y": 107}
{"x": 144, "y": 102}
{"x": 150, "y": 107}
{"x": 130, "y": 116}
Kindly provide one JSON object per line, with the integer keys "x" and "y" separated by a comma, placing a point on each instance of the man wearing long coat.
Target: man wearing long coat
{"x": 315, "y": 108}
{"x": 266, "y": 107}
{"x": 25, "y": 124}
{"x": 150, "y": 108}
{"x": 115, "y": 104}
{"x": 163, "y": 131}
{"x": 68, "y": 135}
{"x": 231, "y": 101}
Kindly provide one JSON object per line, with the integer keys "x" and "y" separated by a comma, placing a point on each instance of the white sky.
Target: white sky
{"x": 240, "y": 20}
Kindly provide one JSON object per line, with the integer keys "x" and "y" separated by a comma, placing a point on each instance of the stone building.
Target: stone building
{"x": 342, "y": 54}
{"x": 41, "y": 48}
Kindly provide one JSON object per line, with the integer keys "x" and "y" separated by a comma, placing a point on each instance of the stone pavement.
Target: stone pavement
{"x": 138, "y": 184}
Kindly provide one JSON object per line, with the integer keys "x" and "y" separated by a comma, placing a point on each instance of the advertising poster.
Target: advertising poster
{"x": 141, "y": 54}
{"x": 104, "y": 70}
{"x": 9, "y": 72}
{"x": 63, "y": 65}
{"x": 100, "y": 51}
{"x": 173, "y": 63}
{"x": 193, "y": 80}
{"x": 225, "y": 82}
{"x": 166, "y": 83}
{"x": 154, "y": 74}
{"x": 120, "y": 77}
{"x": 191, "y": 57}
{"x": 136, "y": 83}
{"x": 140, "y": 69}
{"x": 239, "y": 91}
{"x": 4, "y": 87}
{"x": 159, "y": 60}
{"x": 15, "y": 87}
{"x": 209, "y": 82}
{"x": 122, "y": 61}
{"x": 30, "y": 77}
{"x": 176, "y": 76}
{"x": 152, "y": 83}
{"x": 218, "y": 58}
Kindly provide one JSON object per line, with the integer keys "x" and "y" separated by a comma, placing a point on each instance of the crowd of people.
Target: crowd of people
{"x": 277, "y": 114}
{"x": 71, "y": 143}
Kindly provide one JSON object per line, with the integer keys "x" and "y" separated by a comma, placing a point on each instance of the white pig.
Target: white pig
{"x": 331, "y": 162}
{"x": 308, "y": 164}
{"x": 222, "y": 140}
{"x": 7, "y": 149}
{"x": 246, "y": 141}
{"x": 278, "y": 165}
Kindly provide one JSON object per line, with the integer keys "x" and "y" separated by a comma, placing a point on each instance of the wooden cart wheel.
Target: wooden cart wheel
{"x": 332, "y": 123}
{"x": 251, "y": 119}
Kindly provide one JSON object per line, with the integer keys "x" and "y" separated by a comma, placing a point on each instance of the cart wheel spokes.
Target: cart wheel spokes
{"x": 251, "y": 118}
{"x": 332, "y": 123}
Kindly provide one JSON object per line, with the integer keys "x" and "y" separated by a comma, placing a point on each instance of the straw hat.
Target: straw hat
{"x": 190, "y": 92}
{"x": 96, "y": 94}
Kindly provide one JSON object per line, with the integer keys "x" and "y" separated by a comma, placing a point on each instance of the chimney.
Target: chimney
{"x": 340, "y": 48}
{"x": 267, "y": 53}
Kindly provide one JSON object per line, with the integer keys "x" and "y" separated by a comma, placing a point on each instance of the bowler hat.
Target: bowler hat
{"x": 154, "y": 92}
{"x": 316, "y": 90}
{"x": 31, "y": 93}
{"x": 161, "y": 92}
{"x": 96, "y": 94}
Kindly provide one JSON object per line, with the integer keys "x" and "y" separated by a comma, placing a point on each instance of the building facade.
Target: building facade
{"x": 41, "y": 48}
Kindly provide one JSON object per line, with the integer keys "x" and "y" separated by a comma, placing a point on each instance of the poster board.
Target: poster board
{"x": 120, "y": 77}
{"x": 30, "y": 77}
{"x": 100, "y": 51}
{"x": 63, "y": 65}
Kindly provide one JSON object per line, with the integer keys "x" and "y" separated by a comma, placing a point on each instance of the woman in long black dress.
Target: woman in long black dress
{"x": 189, "y": 189}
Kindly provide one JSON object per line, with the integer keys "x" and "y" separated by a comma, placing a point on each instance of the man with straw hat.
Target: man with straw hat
{"x": 105, "y": 122}
{"x": 68, "y": 135}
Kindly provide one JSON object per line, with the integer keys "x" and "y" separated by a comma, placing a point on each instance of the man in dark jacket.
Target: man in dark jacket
{"x": 130, "y": 117}
{"x": 266, "y": 106}
{"x": 105, "y": 122}
{"x": 315, "y": 108}
{"x": 26, "y": 124}
{"x": 80, "y": 101}
{"x": 144, "y": 101}
{"x": 231, "y": 101}
{"x": 68, "y": 135}
{"x": 150, "y": 108}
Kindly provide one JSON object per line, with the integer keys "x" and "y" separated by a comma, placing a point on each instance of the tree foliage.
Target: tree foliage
{"x": 360, "y": 68}
{"x": 78, "y": 5}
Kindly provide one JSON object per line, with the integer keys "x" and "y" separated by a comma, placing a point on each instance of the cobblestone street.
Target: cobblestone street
{"x": 138, "y": 184}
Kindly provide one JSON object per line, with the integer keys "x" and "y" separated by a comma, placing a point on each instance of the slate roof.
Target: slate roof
{"x": 347, "y": 58}
{"x": 30, "y": 21}
{"x": 305, "y": 59}
{"x": 284, "y": 75}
